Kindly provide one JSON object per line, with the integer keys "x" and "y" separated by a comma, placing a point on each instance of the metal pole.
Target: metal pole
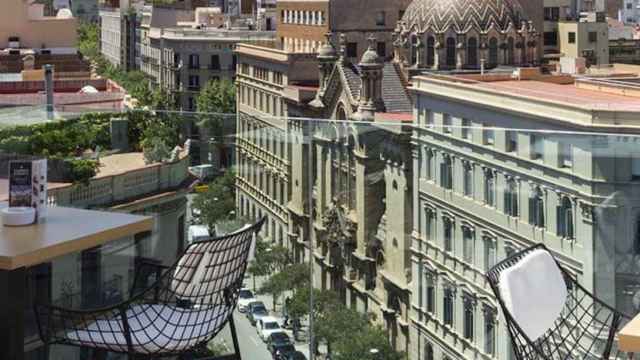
{"x": 48, "y": 86}
{"x": 309, "y": 124}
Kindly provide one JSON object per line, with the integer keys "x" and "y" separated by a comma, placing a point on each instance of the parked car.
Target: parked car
{"x": 245, "y": 297}
{"x": 256, "y": 310}
{"x": 278, "y": 341}
{"x": 197, "y": 233}
{"x": 295, "y": 355}
{"x": 266, "y": 326}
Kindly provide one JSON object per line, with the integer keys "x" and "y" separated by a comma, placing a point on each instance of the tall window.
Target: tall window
{"x": 466, "y": 129}
{"x": 428, "y": 352}
{"x": 215, "y": 62}
{"x": 566, "y": 154}
{"x": 468, "y": 179}
{"x": 467, "y": 244}
{"x": 472, "y": 52}
{"x": 489, "y": 331}
{"x": 429, "y": 224}
{"x": 512, "y": 141}
{"x": 510, "y": 48}
{"x": 489, "y": 136}
{"x": 431, "y": 50}
{"x": 448, "y": 234}
{"x": 493, "y": 51}
{"x": 429, "y": 164}
{"x": 565, "y": 219}
{"x": 446, "y": 173}
{"x": 431, "y": 294}
{"x": 448, "y": 306}
{"x": 537, "y": 147}
{"x": 446, "y": 123}
{"x": 490, "y": 188}
{"x": 536, "y": 208}
{"x": 451, "y": 52}
{"x": 414, "y": 49}
{"x": 489, "y": 252}
{"x": 468, "y": 317}
{"x": 194, "y": 61}
{"x": 511, "y": 198}
{"x": 635, "y": 166}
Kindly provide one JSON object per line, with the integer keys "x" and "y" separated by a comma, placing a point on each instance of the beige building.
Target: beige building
{"x": 302, "y": 24}
{"x": 23, "y": 26}
{"x": 588, "y": 39}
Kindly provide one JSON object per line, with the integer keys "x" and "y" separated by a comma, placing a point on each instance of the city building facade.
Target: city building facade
{"x": 118, "y": 35}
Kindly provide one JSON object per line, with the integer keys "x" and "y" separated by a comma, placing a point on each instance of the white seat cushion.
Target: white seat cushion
{"x": 154, "y": 328}
{"x": 534, "y": 292}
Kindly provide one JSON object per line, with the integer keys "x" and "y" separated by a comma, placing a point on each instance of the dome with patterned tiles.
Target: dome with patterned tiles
{"x": 462, "y": 16}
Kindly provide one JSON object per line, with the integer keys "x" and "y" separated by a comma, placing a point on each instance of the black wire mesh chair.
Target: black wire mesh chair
{"x": 187, "y": 305}
{"x": 585, "y": 329}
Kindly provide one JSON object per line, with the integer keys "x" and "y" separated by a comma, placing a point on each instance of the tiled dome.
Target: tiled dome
{"x": 461, "y": 16}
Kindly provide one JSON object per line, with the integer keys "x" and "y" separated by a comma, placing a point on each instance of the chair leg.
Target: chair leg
{"x": 234, "y": 337}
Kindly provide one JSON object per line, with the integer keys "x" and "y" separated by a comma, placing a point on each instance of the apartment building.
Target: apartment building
{"x": 118, "y": 34}
{"x": 302, "y": 23}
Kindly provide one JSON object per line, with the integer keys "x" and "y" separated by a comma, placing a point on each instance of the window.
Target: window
{"x": 430, "y": 50}
{"x": 428, "y": 118}
{"x": 414, "y": 49}
{"x": 261, "y": 73}
{"x": 629, "y": 6}
{"x": 536, "y": 208}
{"x": 446, "y": 123}
{"x": 489, "y": 188}
{"x": 190, "y": 104}
{"x": 466, "y": 129}
{"x": 244, "y": 69}
{"x": 566, "y": 154}
{"x": 431, "y": 293}
{"x": 493, "y": 51}
{"x": 451, "y": 52}
{"x": 194, "y": 82}
{"x": 448, "y": 234}
{"x": 551, "y": 13}
{"x": 489, "y": 331}
{"x": 565, "y": 219}
{"x": 572, "y": 37}
{"x": 636, "y": 247}
{"x": 468, "y": 179}
{"x": 512, "y": 141}
{"x": 635, "y": 167}
{"x": 215, "y": 62}
{"x": 446, "y": 173}
{"x": 537, "y": 146}
{"x": 488, "y": 134}
{"x": 381, "y": 49}
{"x": 429, "y": 228}
{"x": 428, "y": 352}
{"x": 352, "y": 49}
{"x": 380, "y": 18}
{"x": 593, "y": 36}
{"x": 472, "y": 52}
{"x": 511, "y": 198}
{"x": 467, "y": 244}
{"x": 468, "y": 317}
{"x": 194, "y": 61}
{"x": 550, "y": 38}
{"x": 429, "y": 164}
{"x": 489, "y": 253}
{"x": 448, "y": 306}
{"x": 277, "y": 77}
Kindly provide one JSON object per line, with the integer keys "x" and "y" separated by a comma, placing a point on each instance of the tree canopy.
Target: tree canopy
{"x": 219, "y": 202}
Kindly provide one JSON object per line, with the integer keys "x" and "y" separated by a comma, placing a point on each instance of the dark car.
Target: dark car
{"x": 278, "y": 341}
{"x": 296, "y": 355}
{"x": 255, "y": 311}
{"x": 283, "y": 352}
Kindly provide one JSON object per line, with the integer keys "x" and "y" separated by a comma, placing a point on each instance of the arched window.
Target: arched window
{"x": 448, "y": 305}
{"x": 493, "y": 51}
{"x": 510, "y": 47}
{"x": 565, "y": 219}
{"x": 472, "y": 52}
{"x": 511, "y": 198}
{"x": 428, "y": 352}
{"x": 446, "y": 173}
{"x": 451, "y": 52}
{"x": 447, "y": 233}
{"x": 341, "y": 114}
{"x": 468, "y": 247}
{"x": 536, "y": 208}
{"x": 431, "y": 50}
{"x": 414, "y": 49}
{"x": 468, "y": 322}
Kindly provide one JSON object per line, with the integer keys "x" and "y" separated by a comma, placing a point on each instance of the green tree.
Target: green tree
{"x": 289, "y": 277}
{"x": 218, "y": 202}
{"x": 357, "y": 346}
{"x": 89, "y": 40}
{"x": 216, "y": 99}
{"x": 158, "y": 139}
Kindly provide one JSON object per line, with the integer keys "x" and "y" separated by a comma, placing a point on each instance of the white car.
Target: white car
{"x": 245, "y": 297}
{"x": 267, "y": 325}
